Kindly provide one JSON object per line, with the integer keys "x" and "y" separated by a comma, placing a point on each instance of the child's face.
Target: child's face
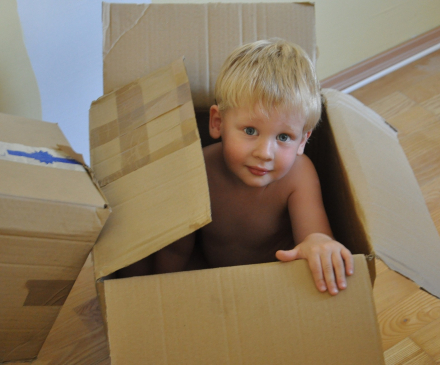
{"x": 259, "y": 149}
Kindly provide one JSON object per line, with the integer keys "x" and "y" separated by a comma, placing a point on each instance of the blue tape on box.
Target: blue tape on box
{"x": 38, "y": 156}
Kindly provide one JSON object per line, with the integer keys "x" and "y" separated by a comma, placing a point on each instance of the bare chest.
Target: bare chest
{"x": 248, "y": 224}
{"x": 246, "y": 228}
{"x": 255, "y": 216}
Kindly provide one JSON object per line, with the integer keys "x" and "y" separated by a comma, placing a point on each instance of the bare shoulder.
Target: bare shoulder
{"x": 301, "y": 174}
{"x": 303, "y": 164}
{"x": 212, "y": 151}
{"x": 213, "y": 156}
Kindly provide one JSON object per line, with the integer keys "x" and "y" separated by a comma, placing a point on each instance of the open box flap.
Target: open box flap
{"x": 139, "y": 39}
{"x": 255, "y": 314}
{"x": 147, "y": 157}
{"x": 394, "y": 212}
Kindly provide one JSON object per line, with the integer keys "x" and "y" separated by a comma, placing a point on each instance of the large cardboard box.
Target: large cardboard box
{"x": 51, "y": 213}
{"x": 146, "y": 153}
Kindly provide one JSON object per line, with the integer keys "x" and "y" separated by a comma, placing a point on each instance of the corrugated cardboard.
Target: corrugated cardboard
{"x": 145, "y": 150}
{"x": 247, "y": 314}
{"x": 139, "y": 39}
{"x": 387, "y": 197}
{"x": 255, "y": 315}
{"x": 49, "y": 221}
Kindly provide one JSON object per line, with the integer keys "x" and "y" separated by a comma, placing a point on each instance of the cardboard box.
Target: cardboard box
{"x": 51, "y": 214}
{"x": 150, "y": 165}
{"x": 151, "y": 169}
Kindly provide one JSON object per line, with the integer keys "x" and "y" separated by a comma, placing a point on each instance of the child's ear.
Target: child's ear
{"x": 215, "y": 121}
{"x": 303, "y": 143}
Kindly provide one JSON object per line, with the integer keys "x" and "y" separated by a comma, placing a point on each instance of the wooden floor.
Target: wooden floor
{"x": 409, "y": 318}
{"x": 409, "y": 99}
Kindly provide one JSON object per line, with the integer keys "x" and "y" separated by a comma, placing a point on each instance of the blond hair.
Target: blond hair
{"x": 270, "y": 73}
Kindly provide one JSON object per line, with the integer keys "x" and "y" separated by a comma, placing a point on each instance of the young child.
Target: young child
{"x": 265, "y": 194}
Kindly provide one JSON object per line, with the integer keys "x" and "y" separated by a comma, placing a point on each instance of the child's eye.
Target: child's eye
{"x": 283, "y": 137}
{"x": 250, "y": 131}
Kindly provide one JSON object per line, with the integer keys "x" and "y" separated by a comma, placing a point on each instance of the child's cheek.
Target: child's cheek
{"x": 231, "y": 153}
{"x": 286, "y": 160}
{"x": 235, "y": 149}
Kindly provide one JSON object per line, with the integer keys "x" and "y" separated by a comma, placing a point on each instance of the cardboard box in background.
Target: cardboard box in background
{"x": 51, "y": 214}
{"x": 139, "y": 39}
{"x": 257, "y": 314}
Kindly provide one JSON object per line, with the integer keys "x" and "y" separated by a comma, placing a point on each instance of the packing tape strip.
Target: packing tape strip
{"x": 187, "y": 139}
{"x": 39, "y": 156}
{"x": 47, "y": 293}
{"x": 130, "y": 127}
{"x": 133, "y": 113}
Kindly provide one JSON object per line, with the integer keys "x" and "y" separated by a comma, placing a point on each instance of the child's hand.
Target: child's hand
{"x": 329, "y": 261}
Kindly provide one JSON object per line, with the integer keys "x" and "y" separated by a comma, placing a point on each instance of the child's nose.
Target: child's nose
{"x": 264, "y": 150}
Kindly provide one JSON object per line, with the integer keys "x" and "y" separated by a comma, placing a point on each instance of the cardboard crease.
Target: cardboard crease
{"x": 47, "y": 292}
{"x": 109, "y": 43}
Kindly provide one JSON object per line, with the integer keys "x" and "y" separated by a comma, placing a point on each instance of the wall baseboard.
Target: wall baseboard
{"x": 382, "y": 61}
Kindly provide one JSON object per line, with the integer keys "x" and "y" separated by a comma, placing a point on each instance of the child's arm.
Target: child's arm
{"x": 329, "y": 260}
{"x": 175, "y": 256}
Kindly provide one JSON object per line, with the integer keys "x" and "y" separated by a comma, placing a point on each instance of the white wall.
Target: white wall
{"x": 350, "y": 31}
{"x": 64, "y": 41}
{"x": 19, "y": 93}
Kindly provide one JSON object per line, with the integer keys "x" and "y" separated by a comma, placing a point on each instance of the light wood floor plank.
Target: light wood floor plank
{"x": 392, "y": 105}
{"x": 407, "y": 352}
{"x": 390, "y": 288}
{"x": 381, "y": 267}
{"x": 432, "y": 104}
{"x": 423, "y": 90}
{"x": 407, "y": 317}
{"x": 422, "y": 149}
{"x": 431, "y": 193}
{"x": 412, "y": 120}
{"x": 428, "y": 338}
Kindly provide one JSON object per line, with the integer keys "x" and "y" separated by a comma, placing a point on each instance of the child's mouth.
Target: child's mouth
{"x": 258, "y": 171}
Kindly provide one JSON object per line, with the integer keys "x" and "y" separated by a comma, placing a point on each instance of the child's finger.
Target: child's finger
{"x": 289, "y": 255}
{"x": 339, "y": 269}
{"x": 349, "y": 261}
{"x": 317, "y": 272}
{"x": 329, "y": 275}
